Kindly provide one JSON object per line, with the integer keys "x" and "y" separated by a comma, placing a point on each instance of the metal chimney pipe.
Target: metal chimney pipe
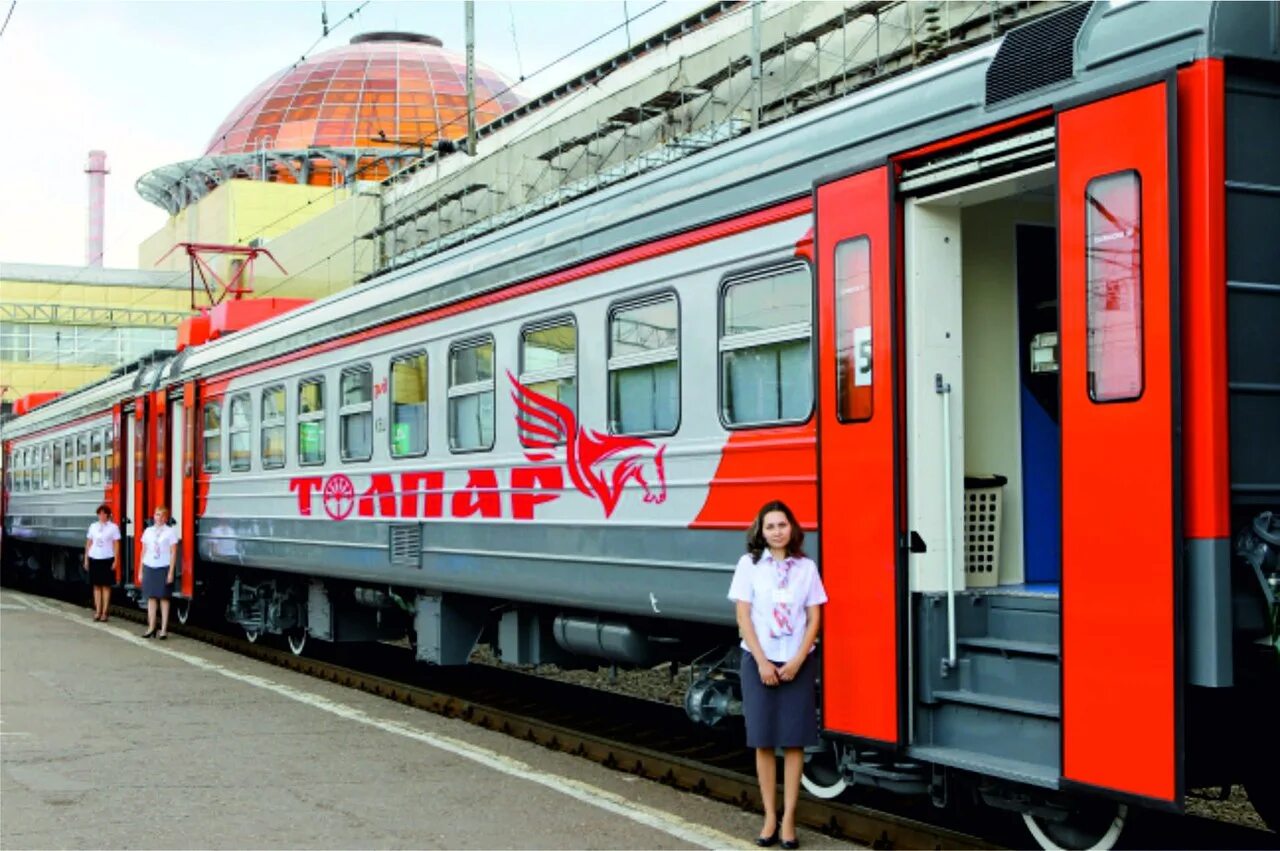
{"x": 96, "y": 168}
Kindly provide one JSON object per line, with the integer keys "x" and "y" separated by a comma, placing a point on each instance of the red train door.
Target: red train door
{"x": 863, "y": 669}
{"x": 185, "y": 456}
{"x": 137, "y": 485}
{"x": 1120, "y": 489}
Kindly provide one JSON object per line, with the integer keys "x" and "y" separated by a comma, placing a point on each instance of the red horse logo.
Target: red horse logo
{"x": 545, "y": 423}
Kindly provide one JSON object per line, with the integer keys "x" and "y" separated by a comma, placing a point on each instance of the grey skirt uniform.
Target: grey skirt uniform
{"x": 781, "y": 716}
{"x": 155, "y": 582}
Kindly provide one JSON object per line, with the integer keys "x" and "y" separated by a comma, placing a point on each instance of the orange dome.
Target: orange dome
{"x": 386, "y": 85}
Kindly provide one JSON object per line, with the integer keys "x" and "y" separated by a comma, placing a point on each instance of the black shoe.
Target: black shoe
{"x": 150, "y": 634}
{"x": 768, "y": 841}
{"x": 791, "y": 844}
{"x": 163, "y": 636}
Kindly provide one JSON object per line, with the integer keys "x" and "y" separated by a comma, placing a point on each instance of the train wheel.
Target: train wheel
{"x": 1094, "y": 826}
{"x": 822, "y": 777}
{"x": 182, "y": 608}
{"x": 297, "y": 641}
{"x": 251, "y": 635}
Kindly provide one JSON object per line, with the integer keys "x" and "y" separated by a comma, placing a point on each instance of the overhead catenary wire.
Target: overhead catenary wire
{"x": 5, "y": 26}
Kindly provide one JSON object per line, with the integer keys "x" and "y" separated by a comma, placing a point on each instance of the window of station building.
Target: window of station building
{"x": 311, "y": 421}
{"x": 82, "y": 460}
{"x": 644, "y": 367}
{"x": 273, "y": 425}
{"x": 1113, "y": 250}
{"x": 57, "y": 465}
{"x": 240, "y": 433}
{"x": 766, "y": 322}
{"x": 211, "y": 453}
{"x": 108, "y": 457}
{"x": 409, "y": 405}
{"x": 95, "y": 457}
{"x": 549, "y": 365}
{"x": 471, "y": 396}
{"x": 853, "y": 330}
{"x": 68, "y": 463}
{"x": 355, "y": 413}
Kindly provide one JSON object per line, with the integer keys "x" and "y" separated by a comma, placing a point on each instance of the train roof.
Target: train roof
{"x": 1110, "y": 44}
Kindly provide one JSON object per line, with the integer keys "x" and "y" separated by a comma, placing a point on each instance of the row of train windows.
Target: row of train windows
{"x": 765, "y": 379}
{"x": 84, "y": 459}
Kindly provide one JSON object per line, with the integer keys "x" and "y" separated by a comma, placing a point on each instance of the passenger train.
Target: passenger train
{"x": 1003, "y": 330}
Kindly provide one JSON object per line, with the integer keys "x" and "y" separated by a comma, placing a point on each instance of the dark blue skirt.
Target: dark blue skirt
{"x": 781, "y": 716}
{"x": 155, "y": 582}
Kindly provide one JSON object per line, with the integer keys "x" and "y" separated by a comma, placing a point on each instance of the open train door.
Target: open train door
{"x": 863, "y": 669}
{"x": 1117, "y": 212}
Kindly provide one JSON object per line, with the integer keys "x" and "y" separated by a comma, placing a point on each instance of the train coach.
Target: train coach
{"x": 1004, "y": 331}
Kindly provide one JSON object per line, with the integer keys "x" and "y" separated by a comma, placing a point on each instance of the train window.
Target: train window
{"x": 68, "y": 463}
{"x": 409, "y": 405}
{"x": 311, "y": 421}
{"x": 95, "y": 457}
{"x": 471, "y": 412}
{"x": 1113, "y": 250}
{"x": 82, "y": 459}
{"x": 853, "y": 329}
{"x": 212, "y": 450}
{"x": 765, "y": 328}
{"x": 273, "y": 418}
{"x": 46, "y": 468}
{"x": 57, "y": 464}
{"x": 240, "y": 432}
{"x": 108, "y": 457}
{"x": 549, "y": 362}
{"x": 355, "y": 413}
{"x": 644, "y": 367}
{"x": 20, "y": 470}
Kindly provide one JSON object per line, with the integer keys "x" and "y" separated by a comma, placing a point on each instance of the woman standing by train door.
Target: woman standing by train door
{"x": 101, "y": 552}
{"x": 778, "y": 594}
{"x": 159, "y": 560}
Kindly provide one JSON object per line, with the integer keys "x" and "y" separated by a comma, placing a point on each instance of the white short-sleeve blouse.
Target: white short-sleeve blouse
{"x": 779, "y": 594}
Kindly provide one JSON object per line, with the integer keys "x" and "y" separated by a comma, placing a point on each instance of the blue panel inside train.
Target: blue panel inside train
{"x": 1037, "y": 275}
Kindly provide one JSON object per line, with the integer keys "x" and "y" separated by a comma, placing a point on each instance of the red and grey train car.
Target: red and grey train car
{"x": 1042, "y": 273}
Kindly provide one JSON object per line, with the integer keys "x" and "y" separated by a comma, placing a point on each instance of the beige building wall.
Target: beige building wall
{"x": 310, "y": 230}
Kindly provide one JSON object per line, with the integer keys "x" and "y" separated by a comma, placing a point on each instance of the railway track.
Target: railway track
{"x": 653, "y": 740}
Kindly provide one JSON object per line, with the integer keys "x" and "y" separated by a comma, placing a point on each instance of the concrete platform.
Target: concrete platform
{"x": 108, "y": 740}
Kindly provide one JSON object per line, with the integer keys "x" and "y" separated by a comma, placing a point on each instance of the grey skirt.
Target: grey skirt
{"x": 781, "y": 716}
{"x": 155, "y": 582}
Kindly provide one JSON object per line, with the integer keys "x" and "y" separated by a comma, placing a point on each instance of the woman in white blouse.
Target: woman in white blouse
{"x": 101, "y": 552}
{"x": 778, "y": 594}
{"x": 159, "y": 560}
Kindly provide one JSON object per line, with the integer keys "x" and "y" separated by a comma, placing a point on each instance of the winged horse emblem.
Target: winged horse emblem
{"x": 600, "y": 465}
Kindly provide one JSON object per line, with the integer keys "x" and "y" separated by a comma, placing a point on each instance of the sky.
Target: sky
{"x": 149, "y": 82}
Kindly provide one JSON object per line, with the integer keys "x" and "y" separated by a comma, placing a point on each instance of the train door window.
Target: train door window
{"x": 68, "y": 463}
{"x": 273, "y": 419}
{"x": 644, "y": 367}
{"x": 409, "y": 405}
{"x": 82, "y": 460}
{"x": 853, "y": 329}
{"x": 240, "y": 432}
{"x": 211, "y": 460}
{"x": 1113, "y": 246}
{"x": 549, "y": 363}
{"x": 57, "y": 465}
{"x": 471, "y": 413}
{"x": 46, "y": 468}
{"x": 355, "y": 413}
{"x": 311, "y": 421}
{"x": 95, "y": 457}
{"x": 108, "y": 453}
{"x": 766, "y": 374}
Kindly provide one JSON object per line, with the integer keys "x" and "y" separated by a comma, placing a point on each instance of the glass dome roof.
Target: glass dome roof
{"x": 400, "y": 87}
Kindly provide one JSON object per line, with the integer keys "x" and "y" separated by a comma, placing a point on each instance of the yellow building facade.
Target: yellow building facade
{"x": 64, "y": 326}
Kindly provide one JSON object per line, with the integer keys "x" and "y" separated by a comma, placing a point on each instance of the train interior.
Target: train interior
{"x": 983, "y": 459}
